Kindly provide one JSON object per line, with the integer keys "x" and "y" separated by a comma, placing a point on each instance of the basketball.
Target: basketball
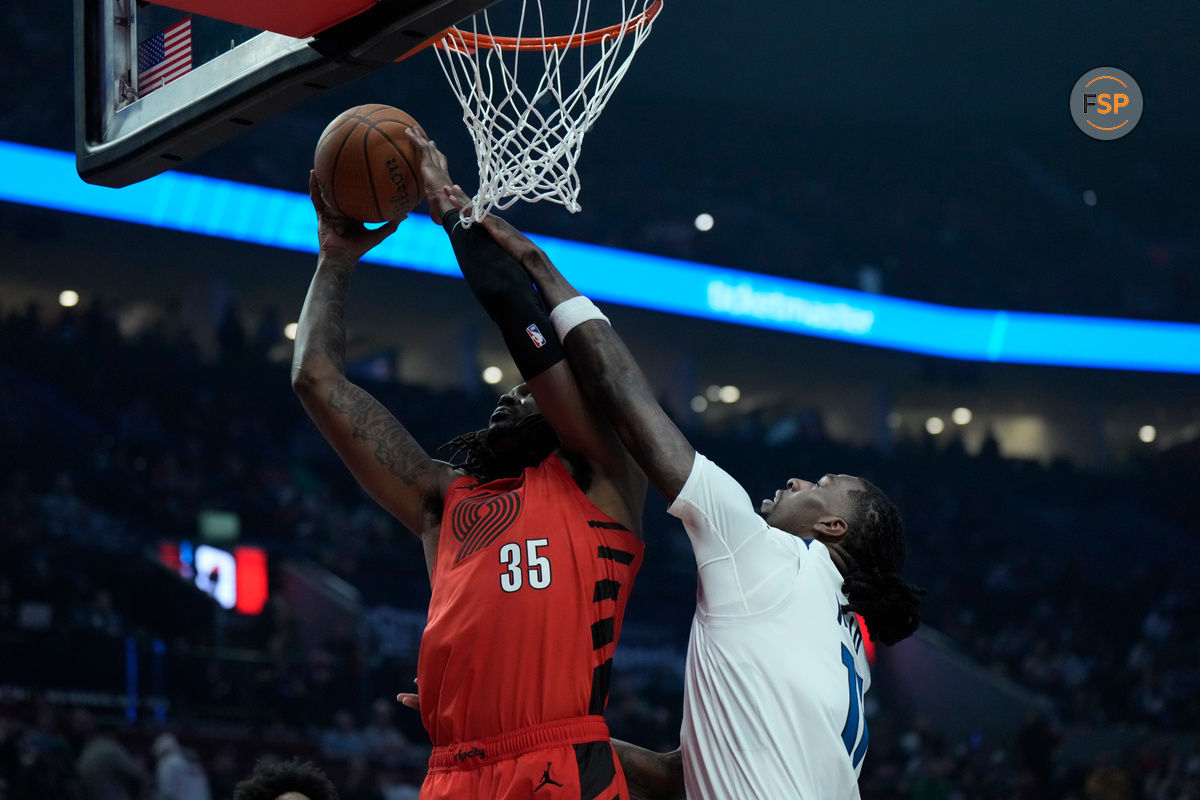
{"x": 367, "y": 167}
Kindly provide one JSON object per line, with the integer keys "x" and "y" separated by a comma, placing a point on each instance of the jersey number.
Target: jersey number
{"x": 538, "y": 567}
{"x": 855, "y": 719}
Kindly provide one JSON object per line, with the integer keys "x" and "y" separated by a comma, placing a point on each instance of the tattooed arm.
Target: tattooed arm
{"x": 385, "y": 459}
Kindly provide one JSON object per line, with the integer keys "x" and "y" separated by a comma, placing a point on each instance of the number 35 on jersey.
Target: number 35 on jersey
{"x": 524, "y": 566}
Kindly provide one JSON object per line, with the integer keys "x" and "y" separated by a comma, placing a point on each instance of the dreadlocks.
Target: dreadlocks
{"x": 270, "y": 779}
{"x": 875, "y": 544}
{"x": 533, "y": 440}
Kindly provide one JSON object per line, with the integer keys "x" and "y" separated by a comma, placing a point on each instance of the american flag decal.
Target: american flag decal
{"x": 164, "y": 57}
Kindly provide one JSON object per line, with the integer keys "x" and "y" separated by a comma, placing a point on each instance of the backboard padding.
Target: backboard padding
{"x": 297, "y": 18}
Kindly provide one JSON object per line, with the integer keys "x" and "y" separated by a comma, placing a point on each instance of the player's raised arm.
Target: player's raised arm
{"x": 505, "y": 293}
{"x": 604, "y": 367}
{"x": 385, "y": 459}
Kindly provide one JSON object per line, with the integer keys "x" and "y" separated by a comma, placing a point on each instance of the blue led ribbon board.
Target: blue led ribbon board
{"x": 195, "y": 204}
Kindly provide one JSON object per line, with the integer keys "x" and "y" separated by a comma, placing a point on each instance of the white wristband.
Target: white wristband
{"x": 569, "y": 313}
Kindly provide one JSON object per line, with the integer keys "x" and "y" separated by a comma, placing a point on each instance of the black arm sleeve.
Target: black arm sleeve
{"x": 507, "y": 295}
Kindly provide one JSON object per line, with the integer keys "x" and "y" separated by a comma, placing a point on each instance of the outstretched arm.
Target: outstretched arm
{"x": 504, "y": 291}
{"x": 607, "y": 371}
{"x": 385, "y": 459}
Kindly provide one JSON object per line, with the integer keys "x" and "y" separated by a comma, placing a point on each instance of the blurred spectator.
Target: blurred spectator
{"x": 267, "y": 334}
{"x": 179, "y": 775}
{"x": 8, "y": 605}
{"x": 384, "y": 743}
{"x": 1036, "y": 748}
{"x": 100, "y": 617}
{"x": 394, "y": 785}
{"x": 107, "y": 771}
{"x": 361, "y": 783}
{"x": 231, "y": 336}
{"x": 343, "y": 741}
{"x": 224, "y": 774}
{"x": 39, "y": 758}
{"x": 1107, "y": 780}
{"x": 62, "y": 508}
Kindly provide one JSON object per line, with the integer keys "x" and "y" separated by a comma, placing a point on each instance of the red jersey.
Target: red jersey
{"x": 530, "y": 584}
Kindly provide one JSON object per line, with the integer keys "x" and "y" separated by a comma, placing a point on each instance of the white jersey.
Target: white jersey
{"x": 776, "y": 672}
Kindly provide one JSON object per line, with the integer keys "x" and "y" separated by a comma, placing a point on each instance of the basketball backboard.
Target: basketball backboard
{"x": 210, "y": 69}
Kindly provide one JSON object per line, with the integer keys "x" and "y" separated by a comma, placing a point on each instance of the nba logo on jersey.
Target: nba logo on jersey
{"x": 536, "y": 336}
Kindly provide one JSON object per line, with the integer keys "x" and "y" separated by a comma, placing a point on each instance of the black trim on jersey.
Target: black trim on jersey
{"x": 608, "y": 526}
{"x": 603, "y": 632}
{"x": 597, "y": 768}
{"x": 613, "y": 554}
{"x": 606, "y": 590}
{"x": 601, "y": 677}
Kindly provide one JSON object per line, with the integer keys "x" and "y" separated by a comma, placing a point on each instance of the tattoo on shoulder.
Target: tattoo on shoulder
{"x": 394, "y": 447}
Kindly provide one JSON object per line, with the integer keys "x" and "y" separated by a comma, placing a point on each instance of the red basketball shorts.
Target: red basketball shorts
{"x": 568, "y": 759}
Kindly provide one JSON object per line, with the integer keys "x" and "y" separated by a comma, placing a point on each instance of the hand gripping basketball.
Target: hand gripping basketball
{"x": 434, "y": 174}
{"x": 337, "y": 234}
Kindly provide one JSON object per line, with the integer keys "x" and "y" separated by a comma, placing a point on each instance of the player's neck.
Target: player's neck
{"x": 841, "y": 559}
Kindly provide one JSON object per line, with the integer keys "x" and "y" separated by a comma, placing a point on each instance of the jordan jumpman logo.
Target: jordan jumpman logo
{"x": 546, "y": 778}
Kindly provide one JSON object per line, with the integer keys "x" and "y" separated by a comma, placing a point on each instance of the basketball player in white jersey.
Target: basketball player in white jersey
{"x": 776, "y": 672}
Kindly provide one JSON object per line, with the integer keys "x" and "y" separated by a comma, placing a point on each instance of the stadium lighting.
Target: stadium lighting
{"x": 68, "y": 298}
{"x": 289, "y": 330}
{"x": 704, "y": 222}
{"x": 699, "y": 403}
{"x": 729, "y": 394}
{"x": 1147, "y": 433}
{"x": 961, "y": 415}
{"x": 935, "y": 425}
{"x": 240, "y": 212}
{"x": 492, "y": 375}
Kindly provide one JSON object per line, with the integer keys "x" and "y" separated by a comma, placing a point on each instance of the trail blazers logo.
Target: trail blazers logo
{"x": 477, "y": 521}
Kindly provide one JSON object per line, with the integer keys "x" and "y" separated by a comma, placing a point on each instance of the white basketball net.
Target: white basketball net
{"x": 528, "y": 125}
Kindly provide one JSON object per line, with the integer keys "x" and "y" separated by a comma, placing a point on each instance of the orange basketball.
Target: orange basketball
{"x": 367, "y": 167}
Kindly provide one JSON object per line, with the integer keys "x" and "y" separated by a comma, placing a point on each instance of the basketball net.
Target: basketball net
{"x": 528, "y": 121}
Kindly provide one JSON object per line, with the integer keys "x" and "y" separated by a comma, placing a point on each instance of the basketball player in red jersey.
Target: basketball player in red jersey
{"x": 532, "y": 544}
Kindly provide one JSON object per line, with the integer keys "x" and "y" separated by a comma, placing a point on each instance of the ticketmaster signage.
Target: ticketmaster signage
{"x": 241, "y": 212}
{"x": 742, "y": 302}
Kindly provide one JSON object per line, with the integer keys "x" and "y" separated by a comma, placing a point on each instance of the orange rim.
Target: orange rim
{"x": 480, "y": 41}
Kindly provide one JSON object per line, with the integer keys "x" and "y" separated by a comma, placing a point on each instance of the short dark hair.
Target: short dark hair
{"x": 272, "y": 778}
{"x": 536, "y": 441}
{"x": 875, "y": 543}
